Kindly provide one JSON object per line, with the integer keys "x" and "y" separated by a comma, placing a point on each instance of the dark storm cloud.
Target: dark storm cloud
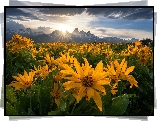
{"x": 62, "y": 11}
{"x": 12, "y": 25}
{"x": 15, "y": 13}
{"x": 122, "y": 13}
{"x": 102, "y": 30}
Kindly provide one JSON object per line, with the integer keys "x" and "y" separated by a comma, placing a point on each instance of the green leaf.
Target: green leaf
{"x": 56, "y": 112}
{"x": 10, "y": 110}
{"x": 92, "y": 109}
{"x": 146, "y": 84}
{"x": 63, "y": 105}
{"x": 10, "y": 95}
{"x": 72, "y": 99}
{"x": 151, "y": 75}
{"x": 30, "y": 112}
{"x": 119, "y": 105}
{"x": 106, "y": 100}
{"x": 131, "y": 95}
{"x": 19, "y": 65}
{"x": 120, "y": 88}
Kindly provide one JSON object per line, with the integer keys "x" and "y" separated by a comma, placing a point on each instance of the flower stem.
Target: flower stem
{"x": 73, "y": 108}
{"x": 30, "y": 99}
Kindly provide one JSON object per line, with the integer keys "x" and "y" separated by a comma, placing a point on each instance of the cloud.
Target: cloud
{"x": 46, "y": 30}
{"x": 122, "y": 13}
{"x": 62, "y": 11}
{"x": 126, "y": 33}
{"x": 27, "y": 14}
{"x": 56, "y": 19}
{"x": 146, "y": 25}
{"x": 102, "y": 30}
{"x": 12, "y": 25}
{"x": 18, "y": 14}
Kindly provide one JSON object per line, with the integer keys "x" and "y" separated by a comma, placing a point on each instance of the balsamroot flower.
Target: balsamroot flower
{"x": 121, "y": 73}
{"x": 56, "y": 93}
{"x": 24, "y": 81}
{"x": 87, "y": 81}
{"x": 43, "y": 71}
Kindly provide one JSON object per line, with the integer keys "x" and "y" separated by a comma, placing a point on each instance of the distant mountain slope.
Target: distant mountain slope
{"x": 57, "y": 35}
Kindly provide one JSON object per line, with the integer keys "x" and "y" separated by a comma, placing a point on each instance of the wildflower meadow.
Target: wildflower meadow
{"x": 70, "y": 78}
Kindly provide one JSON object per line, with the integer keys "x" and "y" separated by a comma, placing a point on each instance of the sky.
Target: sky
{"x": 125, "y": 23}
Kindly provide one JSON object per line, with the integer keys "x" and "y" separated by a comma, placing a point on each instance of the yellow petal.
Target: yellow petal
{"x": 112, "y": 70}
{"x": 99, "y": 67}
{"x": 55, "y": 86}
{"x": 80, "y": 93}
{"x": 105, "y": 81}
{"x": 86, "y": 67}
{"x": 130, "y": 69}
{"x": 114, "y": 91}
{"x": 118, "y": 67}
{"x": 122, "y": 63}
{"x": 21, "y": 78}
{"x": 70, "y": 85}
{"x": 124, "y": 67}
{"x": 116, "y": 64}
{"x": 73, "y": 79}
{"x": 25, "y": 73}
{"x": 97, "y": 100}
{"x": 100, "y": 88}
{"x": 71, "y": 72}
{"x": 17, "y": 85}
{"x": 78, "y": 68}
{"x": 97, "y": 75}
{"x": 52, "y": 93}
{"x": 90, "y": 93}
{"x": 57, "y": 101}
{"x": 132, "y": 80}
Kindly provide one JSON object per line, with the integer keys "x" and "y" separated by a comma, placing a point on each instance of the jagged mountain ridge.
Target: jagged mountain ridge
{"x": 75, "y": 36}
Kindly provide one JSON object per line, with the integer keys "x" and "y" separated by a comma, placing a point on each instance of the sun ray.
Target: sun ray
{"x": 64, "y": 28}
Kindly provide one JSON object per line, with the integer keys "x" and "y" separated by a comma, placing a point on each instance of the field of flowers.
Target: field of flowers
{"x": 78, "y": 79}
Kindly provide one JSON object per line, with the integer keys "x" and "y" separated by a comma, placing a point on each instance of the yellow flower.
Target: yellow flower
{"x": 75, "y": 92}
{"x": 24, "y": 81}
{"x": 18, "y": 42}
{"x": 138, "y": 43}
{"x": 121, "y": 73}
{"x": 56, "y": 93}
{"x": 133, "y": 50}
{"x": 43, "y": 71}
{"x": 64, "y": 59}
{"x": 49, "y": 59}
{"x": 57, "y": 79}
{"x": 87, "y": 80}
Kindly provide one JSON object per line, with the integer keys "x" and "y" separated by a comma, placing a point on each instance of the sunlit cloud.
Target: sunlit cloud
{"x": 125, "y": 33}
{"x": 104, "y": 22}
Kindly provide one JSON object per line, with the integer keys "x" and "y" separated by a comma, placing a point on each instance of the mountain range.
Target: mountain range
{"x": 75, "y": 36}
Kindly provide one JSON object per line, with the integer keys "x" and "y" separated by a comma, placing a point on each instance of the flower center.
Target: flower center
{"x": 112, "y": 82}
{"x": 87, "y": 81}
{"x": 57, "y": 95}
{"x": 27, "y": 83}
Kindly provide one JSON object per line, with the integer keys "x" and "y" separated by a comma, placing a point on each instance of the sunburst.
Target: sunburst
{"x": 64, "y": 28}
